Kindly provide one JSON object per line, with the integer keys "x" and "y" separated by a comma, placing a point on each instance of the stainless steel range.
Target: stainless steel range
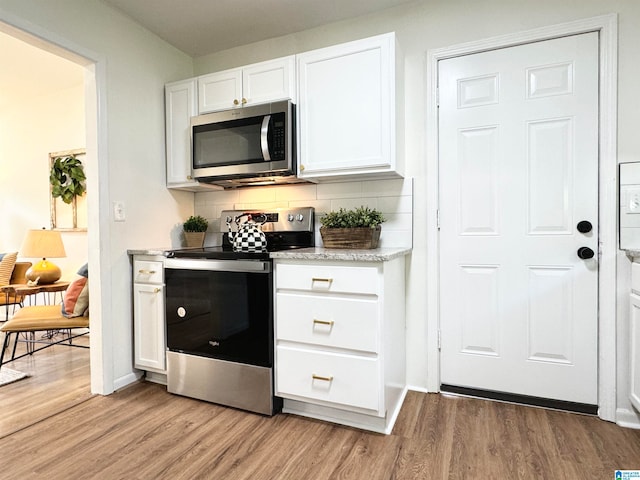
{"x": 219, "y": 312}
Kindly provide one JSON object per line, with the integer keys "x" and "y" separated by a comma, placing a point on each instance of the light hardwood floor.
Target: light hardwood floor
{"x": 59, "y": 378}
{"x": 142, "y": 432}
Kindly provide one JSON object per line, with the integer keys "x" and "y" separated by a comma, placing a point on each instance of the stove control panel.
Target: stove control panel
{"x": 276, "y": 220}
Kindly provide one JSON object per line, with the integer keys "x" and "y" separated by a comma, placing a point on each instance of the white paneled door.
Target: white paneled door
{"x": 518, "y": 184}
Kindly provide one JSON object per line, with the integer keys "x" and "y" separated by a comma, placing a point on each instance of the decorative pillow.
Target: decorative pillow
{"x": 76, "y": 298}
{"x": 84, "y": 270}
{"x": 7, "y": 263}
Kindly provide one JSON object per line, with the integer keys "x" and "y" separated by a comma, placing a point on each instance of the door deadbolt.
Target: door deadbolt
{"x": 584, "y": 226}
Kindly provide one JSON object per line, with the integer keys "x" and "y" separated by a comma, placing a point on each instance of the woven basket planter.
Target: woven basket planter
{"x": 354, "y": 238}
{"x": 194, "y": 239}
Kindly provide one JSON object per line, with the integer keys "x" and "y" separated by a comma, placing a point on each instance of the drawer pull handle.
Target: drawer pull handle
{"x": 146, "y": 272}
{"x": 323, "y": 322}
{"x": 326, "y": 280}
{"x": 319, "y": 377}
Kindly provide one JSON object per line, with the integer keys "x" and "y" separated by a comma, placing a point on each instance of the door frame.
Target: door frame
{"x": 607, "y": 27}
{"x": 101, "y": 353}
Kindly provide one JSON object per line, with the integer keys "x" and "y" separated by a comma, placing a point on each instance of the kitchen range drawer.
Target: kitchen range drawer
{"x": 321, "y": 278}
{"x": 341, "y": 379}
{"x": 147, "y": 271}
{"x": 334, "y": 322}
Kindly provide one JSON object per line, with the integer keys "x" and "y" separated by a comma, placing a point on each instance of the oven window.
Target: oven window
{"x": 224, "y": 315}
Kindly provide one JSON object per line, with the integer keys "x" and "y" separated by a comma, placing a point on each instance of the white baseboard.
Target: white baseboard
{"x": 126, "y": 380}
{"x": 628, "y": 418}
{"x": 419, "y": 389}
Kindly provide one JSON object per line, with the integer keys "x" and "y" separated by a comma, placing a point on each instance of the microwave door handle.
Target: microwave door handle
{"x": 264, "y": 141}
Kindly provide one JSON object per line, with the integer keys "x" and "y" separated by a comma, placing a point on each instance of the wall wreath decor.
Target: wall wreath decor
{"x": 67, "y": 182}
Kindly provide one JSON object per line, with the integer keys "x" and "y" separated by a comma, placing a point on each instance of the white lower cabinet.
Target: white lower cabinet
{"x": 634, "y": 387}
{"x": 634, "y": 395}
{"x": 340, "y": 340}
{"x": 148, "y": 315}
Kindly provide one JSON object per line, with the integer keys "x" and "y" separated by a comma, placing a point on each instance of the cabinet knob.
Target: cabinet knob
{"x": 302, "y": 168}
{"x": 156, "y": 290}
{"x": 244, "y": 100}
{"x": 235, "y": 101}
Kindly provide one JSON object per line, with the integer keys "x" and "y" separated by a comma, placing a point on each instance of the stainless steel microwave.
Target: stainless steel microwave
{"x": 245, "y": 146}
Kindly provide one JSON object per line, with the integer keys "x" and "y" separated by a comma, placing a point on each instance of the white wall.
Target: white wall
{"x": 132, "y": 67}
{"x": 422, "y": 26}
{"x": 30, "y": 129}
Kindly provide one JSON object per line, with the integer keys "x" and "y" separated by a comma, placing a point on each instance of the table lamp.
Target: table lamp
{"x": 43, "y": 243}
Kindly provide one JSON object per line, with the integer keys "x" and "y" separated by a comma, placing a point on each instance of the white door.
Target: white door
{"x": 518, "y": 172}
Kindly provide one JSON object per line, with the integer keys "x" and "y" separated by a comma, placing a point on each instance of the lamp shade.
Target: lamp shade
{"x": 43, "y": 244}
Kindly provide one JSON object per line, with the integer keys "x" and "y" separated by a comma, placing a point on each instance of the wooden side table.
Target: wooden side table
{"x": 28, "y": 290}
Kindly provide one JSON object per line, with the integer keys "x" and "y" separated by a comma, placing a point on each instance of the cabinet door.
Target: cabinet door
{"x": 148, "y": 327}
{"x": 346, "y": 108}
{"x": 634, "y": 395}
{"x": 269, "y": 81}
{"x": 220, "y": 91}
{"x": 180, "y": 106}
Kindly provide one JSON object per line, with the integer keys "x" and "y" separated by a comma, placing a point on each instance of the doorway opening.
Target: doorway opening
{"x": 64, "y": 55}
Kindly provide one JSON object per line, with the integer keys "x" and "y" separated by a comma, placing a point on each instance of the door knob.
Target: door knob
{"x": 585, "y": 253}
{"x": 584, "y": 226}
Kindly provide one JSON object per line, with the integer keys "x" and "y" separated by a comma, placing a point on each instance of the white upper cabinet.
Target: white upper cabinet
{"x": 257, "y": 83}
{"x": 220, "y": 90}
{"x": 349, "y": 109}
{"x": 180, "y": 106}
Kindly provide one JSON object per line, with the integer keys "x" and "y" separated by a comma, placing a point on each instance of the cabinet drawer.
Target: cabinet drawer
{"x": 147, "y": 272}
{"x": 331, "y": 278}
{"x": 336, "y": 322}
{"x": 342, "y": 379}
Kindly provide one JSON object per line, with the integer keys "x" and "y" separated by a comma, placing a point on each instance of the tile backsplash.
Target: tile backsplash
{"x": 394, "y": 198}
{"x": 630, "y": 206}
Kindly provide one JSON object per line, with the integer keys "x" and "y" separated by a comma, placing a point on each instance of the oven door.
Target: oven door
{"x": 221, "y": 309}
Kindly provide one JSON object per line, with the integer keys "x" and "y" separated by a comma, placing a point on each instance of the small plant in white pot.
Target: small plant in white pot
{"x": 358, "y": 228}
{"x": 195, "y": 228}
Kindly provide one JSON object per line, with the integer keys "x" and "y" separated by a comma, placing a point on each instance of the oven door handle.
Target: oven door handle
{"x": 251, "y": 266}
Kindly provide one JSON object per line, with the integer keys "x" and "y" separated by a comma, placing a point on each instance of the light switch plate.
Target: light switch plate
{"x": 633, "y": 197}
{"x": 118, "y": 212}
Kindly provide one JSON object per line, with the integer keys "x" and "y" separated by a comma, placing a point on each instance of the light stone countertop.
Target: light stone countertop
{"x": 148, "y": 251}
{"x": 318, "y": 253}
{"x": 633, "y": 254}
{"x": 314, "y": 253}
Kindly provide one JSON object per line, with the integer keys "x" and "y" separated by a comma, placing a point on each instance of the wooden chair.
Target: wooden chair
{"x": 7, "y": 294}
{"x": 40, "y": 318}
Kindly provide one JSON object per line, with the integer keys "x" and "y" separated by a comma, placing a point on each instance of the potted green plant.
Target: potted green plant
{"x": 195, "y": 228}
{"x": 358, "y": 228}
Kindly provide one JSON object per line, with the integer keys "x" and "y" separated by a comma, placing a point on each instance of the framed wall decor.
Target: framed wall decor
{"x": 67, "y": 189}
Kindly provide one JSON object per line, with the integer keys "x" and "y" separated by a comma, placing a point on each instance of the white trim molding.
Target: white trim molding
{"x": 607, "y": 28}
{"x": 101, "y": 341}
